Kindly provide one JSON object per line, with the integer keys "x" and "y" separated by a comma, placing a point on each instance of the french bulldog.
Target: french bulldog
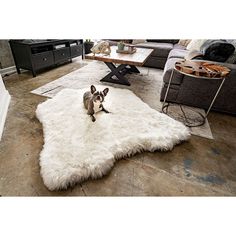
{"x": 93, "y": 100}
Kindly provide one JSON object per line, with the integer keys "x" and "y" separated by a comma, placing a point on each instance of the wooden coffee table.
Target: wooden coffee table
{"x": 127, "y": 63}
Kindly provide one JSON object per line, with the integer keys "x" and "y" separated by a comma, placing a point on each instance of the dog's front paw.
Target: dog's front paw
{"x": 103, "y": 109}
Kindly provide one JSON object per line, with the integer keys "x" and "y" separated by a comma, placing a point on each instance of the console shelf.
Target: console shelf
{"x": 35, "y": 55}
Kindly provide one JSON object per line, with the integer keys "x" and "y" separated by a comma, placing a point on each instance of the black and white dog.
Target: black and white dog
{"x": 93, "y": 100}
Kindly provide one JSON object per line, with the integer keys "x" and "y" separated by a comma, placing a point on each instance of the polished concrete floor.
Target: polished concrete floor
{"x": 199, "y": 167}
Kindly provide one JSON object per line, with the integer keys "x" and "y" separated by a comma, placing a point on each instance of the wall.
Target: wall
{"x": 6, "y": 58}
{"x": 4, "y": 103}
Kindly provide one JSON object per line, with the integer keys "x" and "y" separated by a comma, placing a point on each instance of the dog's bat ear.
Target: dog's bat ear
{"x": 105, "y": 91}
{"x": 93, "y": 89}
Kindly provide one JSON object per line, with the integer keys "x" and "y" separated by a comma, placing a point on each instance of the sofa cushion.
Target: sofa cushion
{"x": 173, "y": 41}
{"x": 194, "y": 55}
{"x": 177, "y": 53}
{"x": 120, "y": 40}
{"x": 137, "y": 41}
{"x": 178, "y": 46}
{"x": 232, "y": 58}
{"x": 184, "y": 42}
{"x": 156, "y": 62}
{"x": 160, "y": 49}
{"x": 217, "y": 50}
{"x": 114, "y": 42}
{"x": 196, "y": 44}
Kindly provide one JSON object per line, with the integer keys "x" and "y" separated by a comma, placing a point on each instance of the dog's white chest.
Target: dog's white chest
{"x": 97, "y": 106}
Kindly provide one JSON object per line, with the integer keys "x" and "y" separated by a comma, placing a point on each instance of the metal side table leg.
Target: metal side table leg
{"x": 217, "y": 92}
{"x": 167, "y": 91}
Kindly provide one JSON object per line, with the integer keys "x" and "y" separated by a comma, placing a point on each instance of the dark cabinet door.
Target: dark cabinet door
{"x": 42, "y": 60}
{"x": 61, "y": 55}
{"x": 76, "y": 50}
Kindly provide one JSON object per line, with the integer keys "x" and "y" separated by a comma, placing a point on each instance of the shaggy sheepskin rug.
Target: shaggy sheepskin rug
{"x": 75, "y": 148}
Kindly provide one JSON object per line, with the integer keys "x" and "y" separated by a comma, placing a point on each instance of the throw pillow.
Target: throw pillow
{"x": 217, "y": 50}
{"x": 137, "y": 41}
{"x": 184, "y": 42}
{"x": 195, "y": 44}
{"x": 232, "y": 58}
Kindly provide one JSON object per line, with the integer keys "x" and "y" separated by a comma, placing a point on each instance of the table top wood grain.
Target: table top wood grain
{"x": 202, "y": 69}
{"x": 137, "y": 59}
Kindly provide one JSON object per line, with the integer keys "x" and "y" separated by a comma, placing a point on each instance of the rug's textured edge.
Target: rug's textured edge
{"x": 53, "y": 182}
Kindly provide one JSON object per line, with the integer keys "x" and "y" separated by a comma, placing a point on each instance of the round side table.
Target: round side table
{"x": 197, "y": 69}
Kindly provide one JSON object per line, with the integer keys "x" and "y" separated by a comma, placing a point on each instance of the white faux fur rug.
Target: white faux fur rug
{"x": 75, "y": 148}
{"x": 146, "y": 85}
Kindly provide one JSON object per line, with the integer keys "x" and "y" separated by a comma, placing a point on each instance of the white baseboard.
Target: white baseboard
{"x": 8, "y": 70}
{"x": 4, "y": 103}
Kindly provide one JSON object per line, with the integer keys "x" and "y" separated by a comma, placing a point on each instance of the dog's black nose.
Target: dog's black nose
{"x": 98, "y": 97}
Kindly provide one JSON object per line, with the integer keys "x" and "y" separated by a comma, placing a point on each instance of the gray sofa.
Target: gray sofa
{"x": 198, "y": 92}
{"x": 162, "y": 48}
{"x": 185, "y": 89}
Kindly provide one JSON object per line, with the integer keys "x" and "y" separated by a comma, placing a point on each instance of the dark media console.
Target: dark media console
{"x": 35, "y": 55}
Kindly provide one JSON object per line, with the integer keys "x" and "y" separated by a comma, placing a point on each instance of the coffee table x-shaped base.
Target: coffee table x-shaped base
{"x": 119, "y": 72}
